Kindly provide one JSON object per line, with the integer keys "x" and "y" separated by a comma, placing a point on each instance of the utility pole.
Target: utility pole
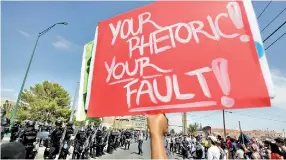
{"x": 184, "y": 121}
{"x": 224, "y": 131}
{"x": 240, "y": 131}
{"x": 114, "y": 122}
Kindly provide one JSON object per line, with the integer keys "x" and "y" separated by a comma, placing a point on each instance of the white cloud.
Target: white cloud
{"x": 279, "y": 80}
{"x": 62, "y": 43}
{"x": 25, "y": 34}
{"x": 7, "y": 90}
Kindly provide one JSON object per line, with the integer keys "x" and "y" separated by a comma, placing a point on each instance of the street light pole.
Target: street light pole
{"x": 28, "y": 68}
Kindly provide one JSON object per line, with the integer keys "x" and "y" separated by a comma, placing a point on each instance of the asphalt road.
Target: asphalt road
{"x": 120, "y": 153}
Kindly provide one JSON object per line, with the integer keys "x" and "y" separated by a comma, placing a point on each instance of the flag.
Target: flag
{"x": 86, "y": 79}
{"x": 83, "y": 87}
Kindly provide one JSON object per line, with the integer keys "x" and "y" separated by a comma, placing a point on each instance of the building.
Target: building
{"x": 139, "y": 122}
{"x": 260, "y": 134}
{"x": 125, "y": 122}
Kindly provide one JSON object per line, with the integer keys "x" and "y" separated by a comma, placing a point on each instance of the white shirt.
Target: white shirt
{"x": 141, "y": 136}
{"x": 204, "y": 153}
{"x": 213, "y": 153}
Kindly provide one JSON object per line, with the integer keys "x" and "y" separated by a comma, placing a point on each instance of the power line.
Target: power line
{"x": 274, "y": 31}
{"x": 216, "y": 112}
{"x": 273, "y": 19}
{"x": 264, "y": 9}
{"x": 276, "y": 115}
{"x": 257, "y": 117}
{"x": 205, "y": 116}
{"x": 275, "y": 41}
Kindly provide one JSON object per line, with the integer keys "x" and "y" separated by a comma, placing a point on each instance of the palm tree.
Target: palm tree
{"x": 193, "y": 128}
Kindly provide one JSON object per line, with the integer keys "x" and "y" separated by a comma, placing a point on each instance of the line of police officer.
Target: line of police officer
{"x": 88, "y": 142}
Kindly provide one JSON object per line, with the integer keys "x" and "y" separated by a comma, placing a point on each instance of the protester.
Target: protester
{"x": 281, "y": 144}
{"x": 13, "y": 150}
{"x": 140, "y": 142}
{"x": 158, "y": 126}
{"x": 185, "y": 145}
{"x": 221, "y": 151}
{"x": 213, "y": 151}
{"x": 255, "y": 151}
{"x": 275, "y": 152}
{"x": 239, "y": 154}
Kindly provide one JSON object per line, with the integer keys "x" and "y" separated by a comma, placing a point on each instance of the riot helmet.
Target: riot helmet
{"x": 26, "y": 122}
{"x": 31, "y": 123}
{"x": 16, "y": 122}
{"x": 59, "y": 123}
{"x": 70, "y": 123}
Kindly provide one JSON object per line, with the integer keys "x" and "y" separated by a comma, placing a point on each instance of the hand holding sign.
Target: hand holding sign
{"x": 202, "y": 60}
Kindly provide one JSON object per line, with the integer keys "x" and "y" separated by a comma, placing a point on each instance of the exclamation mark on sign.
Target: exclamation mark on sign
{"x": 234, "y": 13}
{"x": 220, "y": 69}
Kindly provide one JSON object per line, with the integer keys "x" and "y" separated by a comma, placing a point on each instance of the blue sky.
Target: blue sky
{"x": 59, "y": 53}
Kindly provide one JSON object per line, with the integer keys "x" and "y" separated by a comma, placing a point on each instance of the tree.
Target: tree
{"x": 193, "y": 128}
{"x": 8, "y": 107}
{"x": 172, "y": 132}
{"x": 46, "y": 101}
{"x": 95, "y": 121}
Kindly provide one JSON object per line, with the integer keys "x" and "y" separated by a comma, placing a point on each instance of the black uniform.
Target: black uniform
{"x": 127, "y": 135}
{"x": 98, "y": 139}
{"x": 112, "y": 141}
{"x": 28, "y": 137}
{"x": 79, "y": 144}
{"x": 56, "y": 136}
{"x": 117, "y": 139}
{"x": 5, "y": 123}
{"x": 66, "y": 142}
{"x": 122, "y": 138}
{"x": 89, "y": 132}
{"x": 15, "y": 129}
{"x": 101, "y": 138}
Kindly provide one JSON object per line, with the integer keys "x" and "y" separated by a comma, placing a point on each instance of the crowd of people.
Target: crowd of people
{"x": 90, "y": 141}
{"x": 87, "y": 141}
{"x": 215, "y": 147}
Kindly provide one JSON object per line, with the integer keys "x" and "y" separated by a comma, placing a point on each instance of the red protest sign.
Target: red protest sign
{"x": 176, "y": 57}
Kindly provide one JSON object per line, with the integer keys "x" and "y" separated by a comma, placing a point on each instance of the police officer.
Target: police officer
{"x": 79, "y": 142}
{"x": 56, "y": 136}
{"x": 15, "y": 129}
{"x": 122, "y": 138}
{"x": 112, "y": 141}
{"x": 93, "y": 144}
{"x": 127, "y": 135}
{"x": 66, "y": 143}
{"x": 98, "y": 138}
{"x": 5, "y": 123}
{"x": 69, "y": 131}
{"x": 117, "y": 136}
{"x": 28, "y": 139}
{"x": 104, "y": 140}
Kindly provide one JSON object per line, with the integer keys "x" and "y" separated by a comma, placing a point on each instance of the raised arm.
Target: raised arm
{"x": 158, "y": 126}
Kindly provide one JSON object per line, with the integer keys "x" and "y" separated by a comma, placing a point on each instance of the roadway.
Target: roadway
{"x": 120, "y": 153}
